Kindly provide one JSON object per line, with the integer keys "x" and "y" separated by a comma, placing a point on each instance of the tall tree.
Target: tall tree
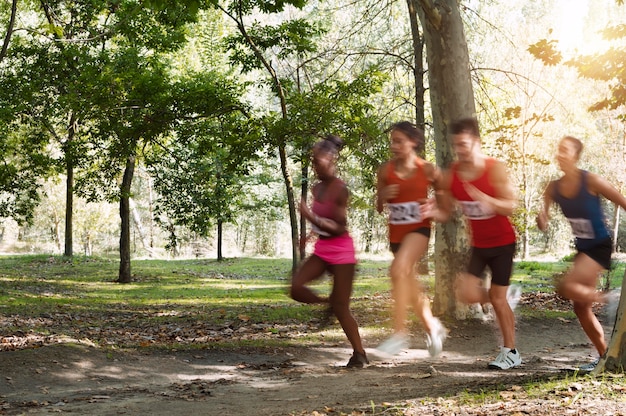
{"x": 452, "y": 97}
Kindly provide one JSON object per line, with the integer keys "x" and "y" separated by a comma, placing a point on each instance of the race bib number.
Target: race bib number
{"x": 582, "y": 228}
{"x": 476, "y": 210}
{"x": 317, "y": 230}
{"x": 405, "y": 213}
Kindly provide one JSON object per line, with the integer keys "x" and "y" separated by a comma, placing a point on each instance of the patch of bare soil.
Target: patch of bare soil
{"x": 83, "y": 380}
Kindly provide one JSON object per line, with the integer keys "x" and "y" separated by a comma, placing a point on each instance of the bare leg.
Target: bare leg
{"x": 313, "y": 268}
{"x": 469, "y": 289}
{"x": 504, "y": 314}
{"x": 406, "y": 289}
{"x": 579, "y": 285}
{"x": 591, "y": 326}
{"x": 340, "y": 302}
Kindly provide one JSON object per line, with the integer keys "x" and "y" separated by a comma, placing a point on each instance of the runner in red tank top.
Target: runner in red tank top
{"x": 403, "y": 184}
{"x": 480, "y": 185}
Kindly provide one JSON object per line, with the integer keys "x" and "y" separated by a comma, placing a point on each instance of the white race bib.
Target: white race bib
{"x": 476, "y": 210}
{"x": 582, "y": 228}
{"x": 404, "y": 213}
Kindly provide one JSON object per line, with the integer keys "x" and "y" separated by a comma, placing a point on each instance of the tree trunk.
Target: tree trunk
{"x": 7, "y": 37}
{"x": 69, "y": 190}
{"x": 129, "y": 170}
{"x": 293, "y": 218}
{"x": 418, "y": 68}
{"x": 304, "y": 187}
{"x": 220, "y": 226}
{"x": 452, "y": 97}
{"x": 418, "y": 83}
{"x": 615, "y": 358}
{"x": 615, "y": 227}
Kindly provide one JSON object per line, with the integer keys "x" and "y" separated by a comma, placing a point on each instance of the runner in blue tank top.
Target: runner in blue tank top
{"x": 578, "y": 193}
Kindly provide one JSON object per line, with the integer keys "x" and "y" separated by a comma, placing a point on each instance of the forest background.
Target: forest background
{"x": 211, "y": 140}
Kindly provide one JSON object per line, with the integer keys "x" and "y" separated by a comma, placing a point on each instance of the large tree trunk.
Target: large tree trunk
{"x": 124, "y": 272}
{"x": 452, "y": 97}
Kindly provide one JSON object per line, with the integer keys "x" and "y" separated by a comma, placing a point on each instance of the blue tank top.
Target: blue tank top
{"x": 584, "y": 214}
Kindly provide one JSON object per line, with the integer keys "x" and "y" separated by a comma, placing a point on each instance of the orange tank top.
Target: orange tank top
{"x": 404, "y": 209}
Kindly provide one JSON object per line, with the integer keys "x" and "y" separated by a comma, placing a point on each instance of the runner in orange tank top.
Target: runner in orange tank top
{"x": 402, "y": 187}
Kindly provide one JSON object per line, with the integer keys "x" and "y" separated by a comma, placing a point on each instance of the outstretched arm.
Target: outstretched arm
{"x": 601, "y": 186}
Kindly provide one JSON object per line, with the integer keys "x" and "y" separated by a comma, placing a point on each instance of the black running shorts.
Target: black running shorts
{"x": 499, "y": 259}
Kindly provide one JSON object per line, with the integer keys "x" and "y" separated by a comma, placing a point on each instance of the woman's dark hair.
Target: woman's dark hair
{"x": 331, "y": 143}
{"x": 411, "y": 130}
{"x": 467, "y": 125}
{"x": 578, "y": 144}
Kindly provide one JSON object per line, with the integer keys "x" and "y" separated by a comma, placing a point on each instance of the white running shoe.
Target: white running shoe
{"x": 513, "y": 295}
{"x": 434, "y": 340}
{"x": 394, "y": 344}
{"x": 507, "y": 358}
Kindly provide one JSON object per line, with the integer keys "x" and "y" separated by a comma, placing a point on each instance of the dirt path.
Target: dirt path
{"x": 87, "y": 381}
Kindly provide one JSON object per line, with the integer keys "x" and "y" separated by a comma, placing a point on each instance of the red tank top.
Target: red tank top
{"x": 488, "y": 228}
{"x": 404, "y": 209}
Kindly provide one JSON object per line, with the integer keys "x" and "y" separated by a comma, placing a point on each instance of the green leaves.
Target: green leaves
{"x": 294, "y": 37}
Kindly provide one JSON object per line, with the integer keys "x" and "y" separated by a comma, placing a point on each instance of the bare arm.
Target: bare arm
{"x": 505, "y": 200}
{"x": 440, "y": 208}
{"x": 335, "y": 225}
{"x": 384, "y": 192}
{"x": 601, "y": 186}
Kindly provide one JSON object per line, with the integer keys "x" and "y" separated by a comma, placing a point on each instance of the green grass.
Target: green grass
{"x": 78, "y": 297}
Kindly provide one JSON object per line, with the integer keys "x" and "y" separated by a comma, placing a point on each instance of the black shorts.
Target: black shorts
{"x": 499, "y": 259}
{"x": 601, "y": 252}
{"x": 394, "y": 247}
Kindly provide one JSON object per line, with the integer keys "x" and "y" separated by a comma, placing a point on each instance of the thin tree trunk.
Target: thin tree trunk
{"x": 418, "y": 82}
{"x": 124, "y": 272}
{"x": 615, "y": 227}
{"x": 452, "y": 98}
{"x": 220, "y": 226}
{"x": 293, "y": 218}
{"x": 304, "y": 187}
{"x": 7, "y": 37}
{"x": 69, "y": 189}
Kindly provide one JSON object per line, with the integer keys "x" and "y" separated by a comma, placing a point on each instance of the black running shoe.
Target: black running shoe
{"x": 357, "y": 360}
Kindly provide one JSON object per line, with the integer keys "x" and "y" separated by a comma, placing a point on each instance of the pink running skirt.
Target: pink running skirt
{"x": 336, "y": 250}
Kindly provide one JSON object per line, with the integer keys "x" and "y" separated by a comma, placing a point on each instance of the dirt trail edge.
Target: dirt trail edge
{"x": 81, "y": 380}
